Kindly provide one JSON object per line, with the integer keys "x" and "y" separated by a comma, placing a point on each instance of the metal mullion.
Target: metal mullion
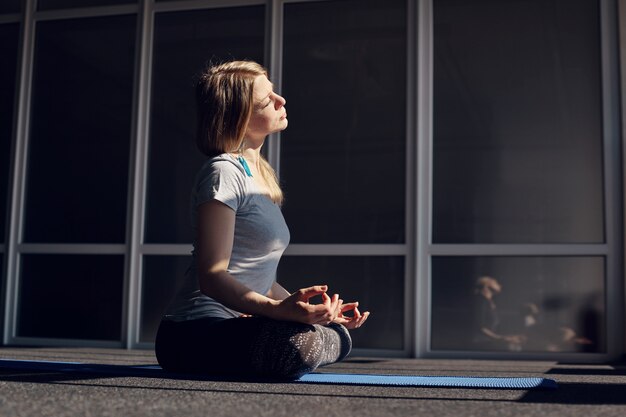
{"x": 424, "y": 174}
{"x": 613, "y": 208}
{"x": 172, "y": 249}
{"x": 203, "y": 4}
{"x": 519, "y": 250}
{"x": 621, "y": 12}
{"x": 410, "y": 188}
{"x": 72, "y": 248}
{"x": 86, "y": 12}
{"x": 10, "y": 18}
{"x": 19, "y": 170}
{"x": 346, "y": 250}
{"x": 274, "y": 58}
{"x": 139, "y": 163}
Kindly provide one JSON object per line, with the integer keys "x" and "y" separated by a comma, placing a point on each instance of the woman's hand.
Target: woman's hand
{"x": 357, "y": 318}
{"x": 296, "y": 307}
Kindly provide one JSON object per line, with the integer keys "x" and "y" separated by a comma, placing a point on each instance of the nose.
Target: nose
{"x": 280, "y": 101}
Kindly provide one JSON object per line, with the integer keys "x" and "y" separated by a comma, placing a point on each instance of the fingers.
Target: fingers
{"x": 349, "y": 306}
{"x": 326, "y": 300}
{"x": 330, "y": 310}
{"x": 356, "y": 320}
{"x": 304, "y": 294}
{"x": 362, "y": 319}
{"x": 332, "y": 304}
{"x": 337, "y": 312}
{"x": 313, "y": 308}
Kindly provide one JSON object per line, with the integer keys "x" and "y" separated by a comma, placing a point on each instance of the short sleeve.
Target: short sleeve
{"x": 223, "y": 181}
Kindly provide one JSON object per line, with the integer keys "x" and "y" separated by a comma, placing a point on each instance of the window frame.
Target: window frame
{"x": 417, "y": 249}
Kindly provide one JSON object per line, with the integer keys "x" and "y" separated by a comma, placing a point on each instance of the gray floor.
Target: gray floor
{"x": 597, "y": 390}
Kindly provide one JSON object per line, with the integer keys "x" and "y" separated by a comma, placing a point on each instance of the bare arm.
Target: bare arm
{"x": 278, "y": 292}
{"x": 216, "y": 230}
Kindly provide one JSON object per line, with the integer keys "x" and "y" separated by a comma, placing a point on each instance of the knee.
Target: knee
{"x": 302, "y": 353}
{"x": 287, "y": 351}
{"x": 308, "y": 349}
{"x": 345, "y": 340}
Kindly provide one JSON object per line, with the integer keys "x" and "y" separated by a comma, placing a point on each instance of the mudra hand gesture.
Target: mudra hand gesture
{"x": 297, "y": 307}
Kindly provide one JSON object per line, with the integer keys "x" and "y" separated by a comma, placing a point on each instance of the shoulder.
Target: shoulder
{"x": 222, "y": 164}
{"x": 221, "y": 178}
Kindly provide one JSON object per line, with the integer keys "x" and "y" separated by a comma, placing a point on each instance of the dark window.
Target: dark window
{"x": 517, "y": 122}
{"x": 376, "y": 282}
{"x": 9, "y": 39}
{"x": 162, "y": 275}
{"x": 71, "y": 296}
{"x": 80, "y": 128}
{"x": 343, "y": 154}
{"x": 184, "y": 43}
{"x": 10, "y": 6}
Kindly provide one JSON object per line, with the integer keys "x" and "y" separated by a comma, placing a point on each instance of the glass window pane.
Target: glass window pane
{"x": 71, "y": 296}
{"x": 9, "y": 39}
{"x": 161, "y": 276}
{"x": 534, "y": 304}
{"x": 63, "y": 4}
{"x": 184, "y": 43}
{"x": 10, "y": 6}
{"x": 343, "y": 155}
{"x": 80, "y": 127}
{"x": 377, "y": 282}
{"x": 517, "y": 122}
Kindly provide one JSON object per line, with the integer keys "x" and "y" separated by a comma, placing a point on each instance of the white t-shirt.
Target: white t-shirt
{"x": 261, "y": 237}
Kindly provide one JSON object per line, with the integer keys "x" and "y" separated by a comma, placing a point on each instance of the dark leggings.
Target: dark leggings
{"x": 249, "y": 347}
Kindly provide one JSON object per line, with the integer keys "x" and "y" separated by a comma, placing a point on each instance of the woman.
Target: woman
{"x": 230, "y": 316}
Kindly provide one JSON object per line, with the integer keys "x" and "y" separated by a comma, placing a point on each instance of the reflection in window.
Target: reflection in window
{"x": 530, "y": 304}
{"x": 161, "y": 277}
{"x": 71, "y": 296}
{"x": 517, "y": 122}
{"x": 343, "y": 154}
{"x": 9, "y": 38}
{"x": 80, "y": 129}
{"x": 184, "y": 43}
{"x": 377, "y": 282}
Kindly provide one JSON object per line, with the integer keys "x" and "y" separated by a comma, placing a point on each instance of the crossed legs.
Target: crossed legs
{"x": 249, "y": 347}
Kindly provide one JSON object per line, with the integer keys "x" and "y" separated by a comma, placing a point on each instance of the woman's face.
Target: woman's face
{"x": 269, "y": 114}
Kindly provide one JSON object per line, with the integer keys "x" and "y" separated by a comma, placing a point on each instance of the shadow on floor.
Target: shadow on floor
{"x": 580, "y": 394}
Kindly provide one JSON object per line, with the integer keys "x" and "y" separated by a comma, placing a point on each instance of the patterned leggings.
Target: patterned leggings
{"x": 249, "y": 347}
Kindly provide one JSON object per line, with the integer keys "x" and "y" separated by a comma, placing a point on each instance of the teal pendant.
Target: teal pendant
{"x": 246, "y": 168}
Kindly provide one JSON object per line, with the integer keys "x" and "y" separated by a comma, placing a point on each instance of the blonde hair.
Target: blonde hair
{"x": 225, "y": 100}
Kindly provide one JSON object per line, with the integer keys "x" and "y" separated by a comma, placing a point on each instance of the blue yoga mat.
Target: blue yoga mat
{"x": 429, "y": 381}
{"x": 313, "y": 378}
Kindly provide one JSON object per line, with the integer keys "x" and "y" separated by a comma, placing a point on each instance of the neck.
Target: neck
{"x": 252, "y": 151}
{"x": 253, "y": 156}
